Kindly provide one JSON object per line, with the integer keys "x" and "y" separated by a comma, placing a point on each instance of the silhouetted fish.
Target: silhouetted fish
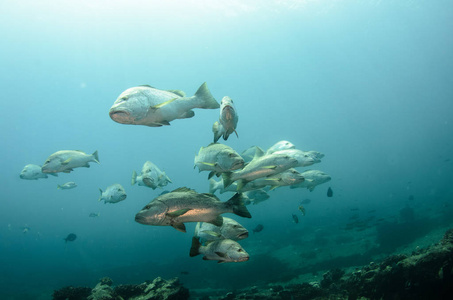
{"x": 71, "y": 237}
{"x": 305, "y": 201}
{"x": 258, "y": 228}
{"x": 329, "y": 192}
{"x": 295, "y": 218}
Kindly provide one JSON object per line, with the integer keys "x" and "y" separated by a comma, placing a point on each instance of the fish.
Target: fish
{"x": 295, "y": 218}
{"x": 261, "y": 166}
{"x": 228, "y": 120}
{"x": 302, "y": 209}
{"x": 313, "y": 178}
{"x": 66, "y": 160}
{"x": 315, "y": 155}
{"x": 33, "y": 172}
{"x": 218, "y": 186}
{"x": 113, "y": 194}
{"x": 304, "y": 159}
{"x": 282, "y": 145}
{"x": 94, "y": 215}
{"x": 186, "y": 205}
{"x": 151, "y": 176}
{"x": 255, "y": 196}
{"x": 285, "y": 178}
{"x": 249, "y": 153}
{"x": 329, "y": 192}
{"x": 230, "y": 229}
{"x": 148, "y": 106}
{"x": 67, "y": 185}
{"x": 222, "y": 251}
{"x": 217, "y": 158}
{"x": 70, "y": 238}
{"x": 25, "y": 229}
{"x": 258, "y": 228}
{"x": 305, "y": 201}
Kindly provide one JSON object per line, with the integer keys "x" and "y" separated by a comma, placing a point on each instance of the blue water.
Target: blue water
{"x": 367, "y": 83}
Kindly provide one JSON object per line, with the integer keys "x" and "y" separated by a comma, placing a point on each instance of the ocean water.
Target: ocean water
{"x": 367, "y": 83}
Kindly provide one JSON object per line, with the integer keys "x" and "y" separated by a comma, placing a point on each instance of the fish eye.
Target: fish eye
{"x": 240, "y": 250}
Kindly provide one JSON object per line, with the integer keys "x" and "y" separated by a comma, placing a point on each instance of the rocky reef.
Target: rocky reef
{"x": 425, "y": 274}
{"x": 158, "y": 289}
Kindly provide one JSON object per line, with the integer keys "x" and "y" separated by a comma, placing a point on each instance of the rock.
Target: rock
{"x": 71, "y": 293}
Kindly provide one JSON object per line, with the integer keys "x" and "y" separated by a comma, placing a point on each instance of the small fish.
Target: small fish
{"x": 230, "y": 229}
{"x": 221, "y": 250}
{"x": 302, "y": 209}
{"x": 151, "y": 176}
{"x": 329, "y": 192}
{"x": 67, "y": 186}
{"x": 33, "y": 172}
{"x": 295, "y": 219}
{"x": 145, "y": 105}
{"x": 313, "y": 178}
{"x": 258, "y": 228}
{"x": 228, "y": 120}
{"x": 94, "y": 215}
{"x": 25, "y": 229}
{"x": 66, "y": 160}
{"x": 218, "y": 158}
{"x": 113, "y": 194}
{"x": 70, "y": 238}
{"x": 186, "y": 205}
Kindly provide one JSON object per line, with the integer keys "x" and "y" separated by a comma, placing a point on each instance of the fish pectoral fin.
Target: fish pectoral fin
{"x": 177, "y": 92}
{"x": 218, "y": 221}
{"x": 163, "y": 122}
{"x": 208, "y": 164}
{"x": 186, "y": 115}
{"x": 178, "y": 212}
{"x": 66, "y": 161}
{"x": 212, "y": 233}
{"x": 162, "y": 104}
{"x": 179, "y": 226}
{"x": 269, "y": 167}
{"x": 221, "y": 254}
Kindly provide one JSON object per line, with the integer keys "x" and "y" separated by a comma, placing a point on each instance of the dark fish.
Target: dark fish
{"x": 71, "y": 237}
{"x": 306, "y": 201}
{"x": 258, "y": 228}
{"x": 94, "y": 215}
{"x": 295, "y": 218}
{"x": 329, "y": 192}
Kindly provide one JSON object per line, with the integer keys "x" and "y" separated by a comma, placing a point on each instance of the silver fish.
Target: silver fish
{"x": 228, "y": 120}
{"x": 282, "y": 145}
{"x": 145, "y": 105}
{"x": 312, "y": 179}
{"x": 230, "y": 229}
{"x": 113, "y": 194}
{"x": 217, "y": 158}
{"x": 67, "y": 186}
{"x": 304, "y": 159}
{"x": 66, "y": 160}
{"x": 260, "y": 166}
{"x": 186, "y": 205}
{"x": 151, "y": 176}
{"x": 33, "y": 172}
{"x": 221, "y": 250}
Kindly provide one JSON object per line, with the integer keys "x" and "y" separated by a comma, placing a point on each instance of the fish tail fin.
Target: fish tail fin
{"x": 217, "y": 129}
{"x": 239, "y": 208}
{"x": 134, "y": 178}
{"x": 205, "y": 98}
{"x": 100, "y": 197}
{"x": 226, "y": 179}
{"x": 197, "y": 229}
{"x": 96, "y": 156}
{"x": 59, "y": 187}
{"x": 195, "y": 249}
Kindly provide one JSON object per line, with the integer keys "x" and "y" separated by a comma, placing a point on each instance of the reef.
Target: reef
{"x": 424, "y": 274}
{"x": 158, "y": 289}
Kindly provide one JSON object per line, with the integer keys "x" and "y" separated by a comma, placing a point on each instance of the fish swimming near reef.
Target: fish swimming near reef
{"x": 186, "y": 205}
{"x": 67, "y": 186}
{"x": 228, "y": 120}
{"x": 222, "y": 251}
{"x": 150, "y": 176}
{"x": 70, "y": 238}
{"x": 66, "y": 160}
{"x": 33, "y": 172}
{"x": 145, "y": 105}
{"x": 230, "y": 229}
{"x": 113, "y": 194}
{"x": 218, "y": 158}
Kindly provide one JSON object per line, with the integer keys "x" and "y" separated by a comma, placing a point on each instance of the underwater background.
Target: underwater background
{"x": 367, "y": 83}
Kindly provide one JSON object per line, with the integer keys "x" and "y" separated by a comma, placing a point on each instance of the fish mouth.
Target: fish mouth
{"x": 243, "y": 235}
{"x": 140, "y": 219}
{"x": 237, "y": 165}
{"x": 120, "y": 116}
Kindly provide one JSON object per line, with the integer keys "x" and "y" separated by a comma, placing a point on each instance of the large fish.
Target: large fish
{"x": 66, "y": 160}
{"x": 145, "y": 105}
{"x": 186, "y": 205}
{"x": 113, "y": 194}
{"x": 312, "y": 179}
{"x": 261, "y": 166}
{"x": 33, "y": 172}
{"x": 230, "y": 229}
{"x": 217, "y": 158}
{"x": 151, "y": 176}
{"x": 221, "y": 250}
{"x": 228, "y": 120}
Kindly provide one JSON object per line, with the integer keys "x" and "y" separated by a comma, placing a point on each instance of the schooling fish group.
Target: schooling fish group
{"x": 249, "y": 175}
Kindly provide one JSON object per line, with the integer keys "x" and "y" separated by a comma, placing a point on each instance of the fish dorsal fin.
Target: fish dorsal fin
{"x": 162, "y": 104}
{"x": 177, "y": 92}
{"x": 183, "y": 189}
{"x": 178, "y": 212}
{"x": 147, "y": 85}
{"x": 258, "y": 153}
{"x": 179, "y": 226}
